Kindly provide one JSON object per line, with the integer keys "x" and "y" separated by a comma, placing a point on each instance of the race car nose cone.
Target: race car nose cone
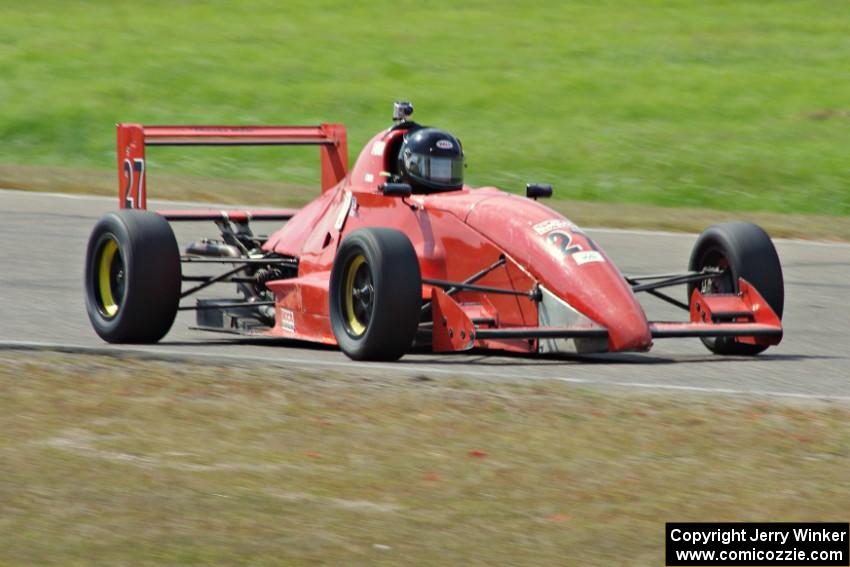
{"x": 568, "y": 263}
{"x": 629, "y": 330}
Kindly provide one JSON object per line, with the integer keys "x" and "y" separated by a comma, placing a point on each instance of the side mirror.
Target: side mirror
{"x": 396, "y": 189}
{"x": 538, "y": 191}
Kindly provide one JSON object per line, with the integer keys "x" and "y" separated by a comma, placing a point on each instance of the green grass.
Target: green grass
{"x": 275, "y": 194}
{"x": 107, "y": 461}
{"x": 731, "y": 104}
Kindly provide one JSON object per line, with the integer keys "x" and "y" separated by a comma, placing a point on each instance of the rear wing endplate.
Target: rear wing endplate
{"x": 133, "y": 138}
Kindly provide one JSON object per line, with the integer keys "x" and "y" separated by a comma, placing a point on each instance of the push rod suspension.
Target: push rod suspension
{"x": 264, "y": 261}
{"x": 235, "y": 279}
{"x": 660, "y": 276}
{"x": 426, "y": 308}
{"x": 671, "y": 281}
{"x": 668, "y": 299}
{"x": 214, "y": 279}
{"x": 223, "y": 305}
{"x": 478, "y": 275}
{"x": 480, "y": 288}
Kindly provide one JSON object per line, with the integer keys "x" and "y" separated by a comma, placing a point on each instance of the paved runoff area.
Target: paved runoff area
{"x": 44, "y": 236}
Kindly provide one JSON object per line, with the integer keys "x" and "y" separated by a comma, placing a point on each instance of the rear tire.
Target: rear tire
{"x": 744, "y": 250}
{"x": 132, "y": 277}
{"x": 375, "y": 294}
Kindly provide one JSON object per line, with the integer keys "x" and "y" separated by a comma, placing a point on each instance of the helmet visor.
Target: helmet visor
{"x": 437, "y": 171}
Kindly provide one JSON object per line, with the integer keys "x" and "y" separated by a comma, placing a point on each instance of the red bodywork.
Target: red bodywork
{"x": 571, "y": 283}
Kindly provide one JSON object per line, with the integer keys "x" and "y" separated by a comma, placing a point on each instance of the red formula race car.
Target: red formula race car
{"x": 396, "y": 253}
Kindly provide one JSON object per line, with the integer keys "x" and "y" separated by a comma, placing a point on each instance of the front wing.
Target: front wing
{"x": 744, "y": 316}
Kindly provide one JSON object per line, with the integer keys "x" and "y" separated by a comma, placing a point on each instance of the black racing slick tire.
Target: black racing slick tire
{"x": 132, "y": 277}
{"x": 743, "y": 250}
{"x": 375, "y": 294}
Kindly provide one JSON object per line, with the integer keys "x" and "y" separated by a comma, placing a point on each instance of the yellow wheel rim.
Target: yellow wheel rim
{"x": 104, "y": 277}
{"x": 355, "y": 325}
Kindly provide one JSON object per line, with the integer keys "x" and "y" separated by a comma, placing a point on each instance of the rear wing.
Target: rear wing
{"x": 133, "y": 138}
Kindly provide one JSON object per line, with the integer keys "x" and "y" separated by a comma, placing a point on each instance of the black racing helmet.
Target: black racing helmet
{"x": 431, "y": 160}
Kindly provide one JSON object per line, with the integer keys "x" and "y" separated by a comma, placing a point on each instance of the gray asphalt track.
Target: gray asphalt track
{"x": 43, "y": 238}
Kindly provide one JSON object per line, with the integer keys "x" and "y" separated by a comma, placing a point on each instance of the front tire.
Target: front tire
{"x": 375, "y": 294}
{"x": 132, "y": 278}
{"x": 743, "y": 250}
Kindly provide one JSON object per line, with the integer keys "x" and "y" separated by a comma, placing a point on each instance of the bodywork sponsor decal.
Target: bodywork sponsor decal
{"x": 343, "y": 211}
{"x": 563, "y": 242}
{"x": 542, "y": 228}
{"x": 559, "y": 235}
{"x": 134, "y": 191}
{"x": 378, "y": 148}
{"x": 287, "y": 320}
{"x": 586, "y": 256}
